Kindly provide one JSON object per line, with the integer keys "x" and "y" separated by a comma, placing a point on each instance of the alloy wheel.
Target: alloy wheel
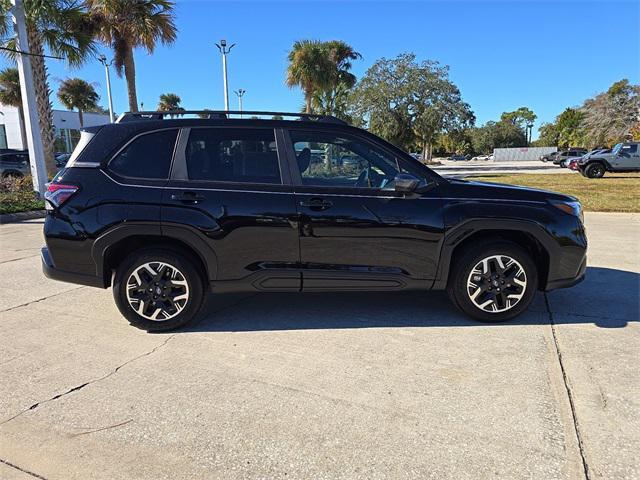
{"x": 157, "y": 291}
{"x": 496, "y": 283}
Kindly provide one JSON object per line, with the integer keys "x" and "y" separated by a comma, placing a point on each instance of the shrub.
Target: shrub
{"x": 17, "y": 195}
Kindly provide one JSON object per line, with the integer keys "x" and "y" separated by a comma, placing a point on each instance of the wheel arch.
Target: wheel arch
{"x": 112, "y": 248}
{"x": 526, "y": 234}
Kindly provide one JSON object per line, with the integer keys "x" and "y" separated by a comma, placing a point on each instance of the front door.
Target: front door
{"x": 356, "y": 231}
{"x": 627, "y": 158}
{"x": 228, "y": 187}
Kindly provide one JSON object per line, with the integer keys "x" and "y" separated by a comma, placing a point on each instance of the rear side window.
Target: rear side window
{"x": 233, "y": 155}
{"x": 147, "y": 156}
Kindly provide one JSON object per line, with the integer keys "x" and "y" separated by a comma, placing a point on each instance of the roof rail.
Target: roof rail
{"x": 222, "y": 115}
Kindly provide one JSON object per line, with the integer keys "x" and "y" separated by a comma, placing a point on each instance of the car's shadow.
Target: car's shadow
{"x": 608, "y": 298}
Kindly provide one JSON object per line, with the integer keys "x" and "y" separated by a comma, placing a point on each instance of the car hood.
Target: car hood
{"x": 499, "y": 191}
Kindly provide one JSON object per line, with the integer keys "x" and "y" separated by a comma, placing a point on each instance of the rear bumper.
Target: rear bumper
{"x": 569, "y": 282}
{"x": 50, "y": 271}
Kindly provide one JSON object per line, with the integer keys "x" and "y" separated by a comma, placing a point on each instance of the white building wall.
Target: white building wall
{"x": 11, "y": 121}
{"x": 62, "y": 119}
{"x": 521, "y": 153}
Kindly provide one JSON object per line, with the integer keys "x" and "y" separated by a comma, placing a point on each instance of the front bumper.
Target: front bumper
{"x": 569, "y": 282}
{"x": 50, "y": 271}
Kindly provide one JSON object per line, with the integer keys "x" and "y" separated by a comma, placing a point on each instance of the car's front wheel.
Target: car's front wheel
{"x": 158, "y": 289}
{"x": 493, "y": 282}
{"x": 595, "y": 170}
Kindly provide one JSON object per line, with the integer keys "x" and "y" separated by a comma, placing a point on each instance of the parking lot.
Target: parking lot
{"x": 323, "y": 385}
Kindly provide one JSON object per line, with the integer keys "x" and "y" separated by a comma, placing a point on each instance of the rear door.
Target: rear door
{"x": 628, "y": 157}
{"x": 228, "y": 187}
{"x": 356, "y": 231}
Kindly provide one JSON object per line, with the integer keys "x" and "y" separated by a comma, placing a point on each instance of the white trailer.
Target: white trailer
{"x": 523, "y": 154}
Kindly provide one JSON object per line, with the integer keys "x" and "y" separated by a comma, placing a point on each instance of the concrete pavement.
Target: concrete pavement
{"x": 323, "y": 385}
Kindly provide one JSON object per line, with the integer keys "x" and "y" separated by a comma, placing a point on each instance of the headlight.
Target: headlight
{"x": 571, "y": 207}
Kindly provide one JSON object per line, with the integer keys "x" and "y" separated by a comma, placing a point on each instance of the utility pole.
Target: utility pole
{"x": 240, "y": 93}
{"x": 222, "y": 46}
{"x": 103, "y": 61}
{"x": 31, "y": 118}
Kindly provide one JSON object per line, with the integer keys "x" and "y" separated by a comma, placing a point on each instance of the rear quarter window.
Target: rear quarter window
{"x": 146, "y": 156}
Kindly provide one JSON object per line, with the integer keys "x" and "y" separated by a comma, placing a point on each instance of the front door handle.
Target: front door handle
{"x": 316, "y": 204}
{"x": 187, "y": 197}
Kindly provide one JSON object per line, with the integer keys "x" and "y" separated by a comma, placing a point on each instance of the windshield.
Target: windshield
{"x": 617, "y": 148}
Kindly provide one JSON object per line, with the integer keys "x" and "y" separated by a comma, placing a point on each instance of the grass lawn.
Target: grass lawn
{"x": 612, "y": 193}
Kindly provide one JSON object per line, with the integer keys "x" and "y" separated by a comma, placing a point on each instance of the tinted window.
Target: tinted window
{"x": 233, "y": 155}
{"x": 629, "y": 148}
{"x": 148, "y": 156}
{"x": 326, "y": 159}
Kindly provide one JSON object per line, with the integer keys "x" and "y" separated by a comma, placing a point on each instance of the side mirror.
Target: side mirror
{"x": 406, "y": 183}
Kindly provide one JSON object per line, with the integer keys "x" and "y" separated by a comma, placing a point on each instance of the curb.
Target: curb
{"x": 20, "y": 216}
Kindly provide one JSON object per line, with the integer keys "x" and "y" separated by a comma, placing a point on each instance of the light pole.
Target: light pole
{"x": 103, "y": 61}
{"x": 222, "y": 46}
{"x": 240, "y": 93}
{"x": 28, "y": 93}
{"x": 530, "y": 128}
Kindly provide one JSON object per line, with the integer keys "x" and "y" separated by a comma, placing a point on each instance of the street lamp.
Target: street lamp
{"x": 240, "y": 93}
{"x": 530, "y": 127}
{"x": 222, "y": 46}
{"x": 103, "y": 61}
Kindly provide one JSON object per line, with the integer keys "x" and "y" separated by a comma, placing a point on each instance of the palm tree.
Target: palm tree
{"x": 10, "y": 95}
{"x": 63, "y": 28}
{"x": 76, "y": 93}
{"x": 309, "y": 68}
{"x": 168, "y": 102}
{"x": 126, "y": 24}
{"x": 341, "y": 56}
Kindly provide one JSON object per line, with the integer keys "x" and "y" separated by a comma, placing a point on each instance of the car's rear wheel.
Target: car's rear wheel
{"x": 158, "y": 289}
{"x": 493, "y": 282}
{"x": 595, "y": 170}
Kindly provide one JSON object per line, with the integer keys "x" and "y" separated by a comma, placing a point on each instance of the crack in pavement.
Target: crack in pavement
{"x": 576, "y": 426}
{"x": 90, "y": 382}
{"x": 41, "y": 299}
{"x": 9, "y": 464}
{"x": 20, "y": 258}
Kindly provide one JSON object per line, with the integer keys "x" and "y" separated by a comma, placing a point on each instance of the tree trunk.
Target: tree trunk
{"x": 43, "y": 104}
{"x": 307, "y": 100}
{"x": 80, "y": 118}
{"x": 23, "y": 128}
{"x": 130, "y": 75}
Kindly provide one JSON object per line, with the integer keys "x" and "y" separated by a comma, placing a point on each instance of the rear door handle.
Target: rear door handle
{"x": 316, "y": 204}
{"x": 187, "y": 197}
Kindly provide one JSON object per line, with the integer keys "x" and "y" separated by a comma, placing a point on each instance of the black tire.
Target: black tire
{"x": 595, "y": 170}
{"x": 186, "y": 268}
{"x": 464, "y": 264}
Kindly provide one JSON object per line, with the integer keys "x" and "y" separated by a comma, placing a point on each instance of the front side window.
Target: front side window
{"x": 333, "y": 160}
{"x": 629, "y": 149}
{"x": 147, "y": 156}
{"x": 233, "y": 155}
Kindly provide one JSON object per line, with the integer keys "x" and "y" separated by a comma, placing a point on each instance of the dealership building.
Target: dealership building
{"x": 65, "y": 122}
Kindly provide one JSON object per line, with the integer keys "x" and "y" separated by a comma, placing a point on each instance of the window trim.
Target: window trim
{"x": 133, "y": 139}
{"x": 179, "y": 171}
{"x": 335, "y": 189}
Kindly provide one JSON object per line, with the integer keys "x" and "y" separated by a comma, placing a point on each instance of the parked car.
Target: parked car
{"x": 481, "y": 157}
{"x": 563, "y": 155}
{"x": 164, "y": 210}
{"x": 61, "y": 159}
{"x": 457, "y": 158}
{"x": 14, "y": 164}
{"x": 549, "y": 157}
{"x": 624, "y": 157}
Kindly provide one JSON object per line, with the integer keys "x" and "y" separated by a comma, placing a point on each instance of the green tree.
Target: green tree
{"x": 10, "y": 95}
{"x": 523, "y": 118}
{"x": 547, "y": 135}
{"x": 407, "y": 102}
{"x": 309, "y": 69}
{"x": 125, "y": 25}
{"x": 61, "y": 28}
{"x": 169, "y": 102}
{"x": 569, "y": 125}
{"x": 497, "y": 135}
{"x": 77, "y": 93}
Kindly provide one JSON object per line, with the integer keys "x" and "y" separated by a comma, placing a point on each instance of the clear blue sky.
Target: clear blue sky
{"x": 545, "y": 55}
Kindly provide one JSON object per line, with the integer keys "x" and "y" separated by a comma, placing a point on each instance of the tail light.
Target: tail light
{"x": 57, "y": 194}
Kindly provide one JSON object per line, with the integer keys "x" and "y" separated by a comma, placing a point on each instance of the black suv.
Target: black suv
{"x": 165, "y": 208}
